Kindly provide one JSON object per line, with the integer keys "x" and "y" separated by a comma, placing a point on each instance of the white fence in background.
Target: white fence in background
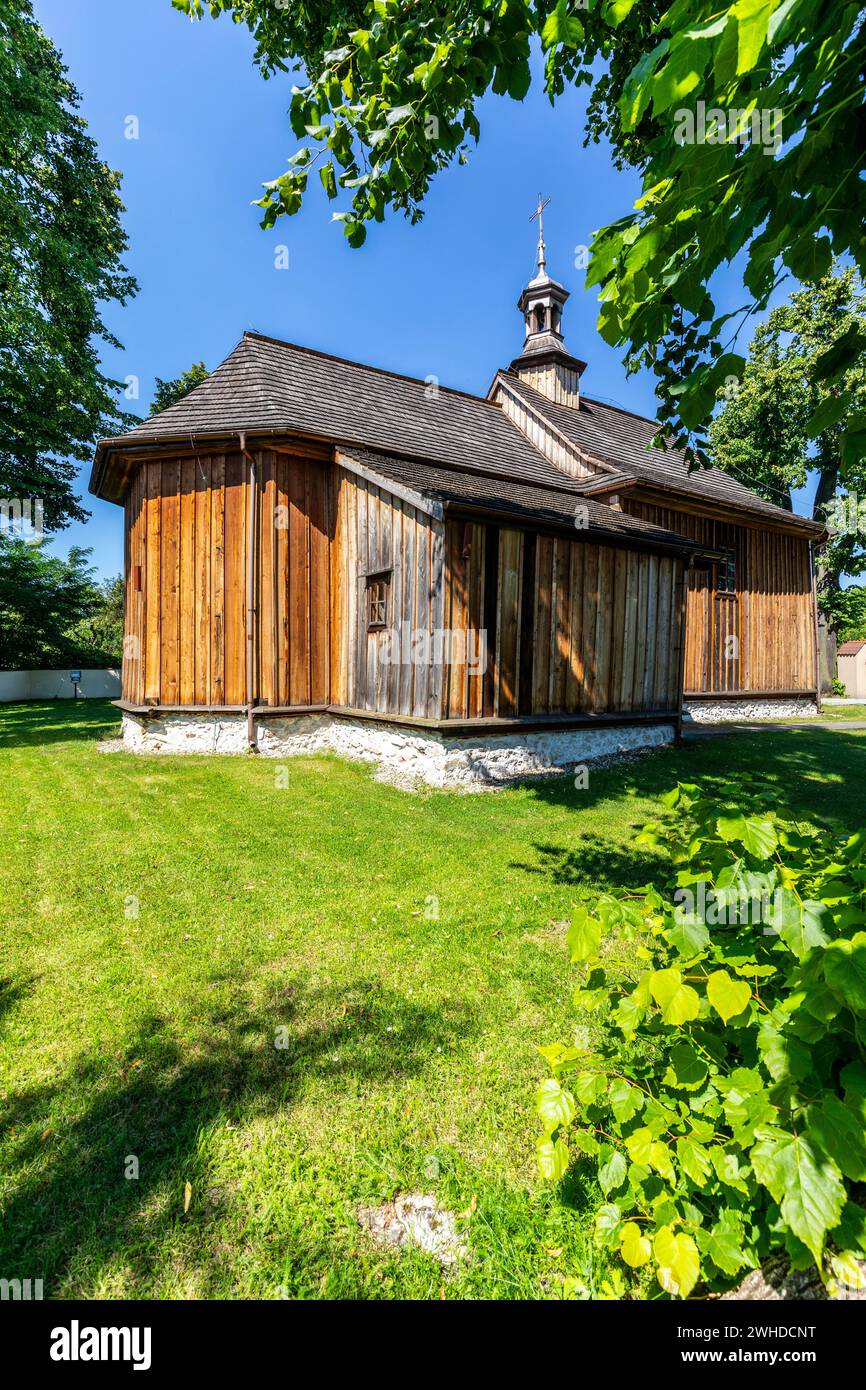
{"x": 57, "y": 685}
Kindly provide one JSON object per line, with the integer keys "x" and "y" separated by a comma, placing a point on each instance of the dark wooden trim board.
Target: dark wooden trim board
{"x": 456, "y": 728}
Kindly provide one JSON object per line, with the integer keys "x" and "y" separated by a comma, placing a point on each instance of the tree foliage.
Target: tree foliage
{"x": 722, "y": 1104}
{"x": 850, "y": 614}
{"x": 98, "y": 638}
{"x": 61, "y": 243}
{"x": 745, "y": 120}
{"x": 764, "y": 435}
{"x": 175, "y": 388}
{"x": 52, "y": 613}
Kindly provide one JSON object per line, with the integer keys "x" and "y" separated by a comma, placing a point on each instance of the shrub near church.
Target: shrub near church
{"x": 724, "y": 1104}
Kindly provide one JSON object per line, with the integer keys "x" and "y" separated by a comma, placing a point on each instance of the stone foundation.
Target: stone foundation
{"x": 404, "y": 756}
{"x": 746, "y": 709}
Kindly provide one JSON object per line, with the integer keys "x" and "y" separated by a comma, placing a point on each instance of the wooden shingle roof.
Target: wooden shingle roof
{"x": 266, "y": 386}
{"x": 621, "y": 440}
{"x": 473, "y": 492}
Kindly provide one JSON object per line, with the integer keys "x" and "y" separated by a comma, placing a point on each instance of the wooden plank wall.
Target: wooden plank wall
{"x": 762, "y": 637}
{"x": 393, "y": 671}
{"x": 186, "y": 581}
{"x": 573, "y": 627}
{"x": 569, "y": 626}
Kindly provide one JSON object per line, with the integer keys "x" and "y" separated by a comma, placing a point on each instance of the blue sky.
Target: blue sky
{"x": 438, "y": 298}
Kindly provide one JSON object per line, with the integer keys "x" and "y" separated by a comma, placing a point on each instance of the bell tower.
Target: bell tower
{"x": 545, "y": 362}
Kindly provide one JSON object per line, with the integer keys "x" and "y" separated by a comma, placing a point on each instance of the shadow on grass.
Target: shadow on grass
{"x": 814, "y": 774}
{"x": 162, "y": 1100}
{"x": 12, "y": 991}
{"x": 56, "y": 721}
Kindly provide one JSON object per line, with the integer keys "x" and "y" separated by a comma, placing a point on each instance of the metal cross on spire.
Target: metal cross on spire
{"x": 542, "y": 204}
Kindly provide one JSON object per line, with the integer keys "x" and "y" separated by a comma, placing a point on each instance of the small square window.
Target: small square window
{"x": 377, "y": 601}
{"x": 726, "y": 574}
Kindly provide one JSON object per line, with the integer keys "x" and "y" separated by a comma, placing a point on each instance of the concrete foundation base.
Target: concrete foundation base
{"x": 757, "y": 707}
{"x": 404, "y": 756}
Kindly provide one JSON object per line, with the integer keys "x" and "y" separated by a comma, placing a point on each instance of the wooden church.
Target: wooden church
{"x": 463, "y": 590}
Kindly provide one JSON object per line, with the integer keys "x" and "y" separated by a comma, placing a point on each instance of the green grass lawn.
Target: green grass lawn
{"x": 843, "y": 712}
{"x": 162, "y": 918}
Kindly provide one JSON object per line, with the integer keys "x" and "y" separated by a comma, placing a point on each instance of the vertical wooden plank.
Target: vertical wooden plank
{"x": 526, "y": 639}
{"x": 574, "y": 681}
{"x": 187, "y": 582}
{"x": 646, "y": 699}
{"x": 203, "y": 633}
{"x": 170, "y": 581}
{"x": 282, "y": 529}
{"x": 320, "y": 585}
{"x": 431, "y": 547}
{"x": 630, "y": 631}
{"x": 542, "y": 610}
{"x": 507, "y": 623}
{"x": 618, "y": 624}
{"x": 456, "y": 534}
{"x": 590, "y": 615}
{"x": 607, "y": 639}
{"x": 153, "y": 610}
{"x": 408, "y": 579}
{"x": 666, "y": 598}
{"x": 491, "y": 591}
{"x": 235, "y": 577}
{"x": 218, "y": 579}
{"x": 266, "y": 625}
{"x": 559, "y": 623}
{"x": 337, "y": 614}
{"x": 299, "y": 585}
{"x": 643, "y": 562}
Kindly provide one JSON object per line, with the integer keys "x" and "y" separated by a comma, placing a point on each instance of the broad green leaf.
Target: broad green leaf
{"x": 757, "y": 835}
{"x": 612, "y": 1173}
{"x": 687, "y": 1071}
{"x": 680, "y": 75}
{"x": 649, "y": 1152}
{"x": 728, "y": 996}
{"x": 747, "y": 1104}
{"x": 783, "y": 1055}
{"x": 752, "y": 18}
{"x": 628, "y": 1014}
{"x": 848, "y": 1270}
{"x": 584, "y": 936}
{"x": 552, "y": 1158}
{"x": 639, "y": 1144}
{"x": 853, "y": 1078}
{"x": 689, "y": 935}
{"x": 608, "y": 1219}
{"x": 588, "y": 1086}
{"x": 561, "y": 27}
{"x": 634, "y": 1247}
{"x": 678, "y": 1002}
{"x": 694, "y": 1160}
{"x": 845, "y": 971}
{"x": 329, "y": 183}
{"x": 585, "y": 1141}
{"x": 554, "y": 1105}
{"x": 799, "y": 924}
{"x": 625, "y": 1100}
{"x": 839, "y": 356}
{"x": 679, "y": 1263}
{"x": 839, "y": 1131}
{"x": 728, "y": 1170}
{"x": 723, "y": 1244}
{"x": 615, "y": 11}
{"x": 807, "y": 1187}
